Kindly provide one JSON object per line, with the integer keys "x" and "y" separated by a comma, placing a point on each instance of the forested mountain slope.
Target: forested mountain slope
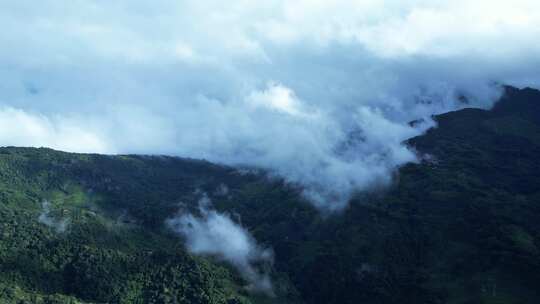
{"x": 461, "y": 226}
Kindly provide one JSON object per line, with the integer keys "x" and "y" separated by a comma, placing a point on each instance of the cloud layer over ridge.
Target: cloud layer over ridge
{"x": 318, "y": 92}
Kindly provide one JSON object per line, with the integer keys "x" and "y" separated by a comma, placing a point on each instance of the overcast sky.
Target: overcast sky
{"x": 319, "y": 92}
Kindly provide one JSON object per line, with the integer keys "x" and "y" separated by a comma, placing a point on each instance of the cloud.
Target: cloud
{"x": 278, "y": 98}
{"x": 59, "y": 225}
{"x": 318, "y": 92}
{"x": 19, "y": 128}
{"x": 213, "y": 233}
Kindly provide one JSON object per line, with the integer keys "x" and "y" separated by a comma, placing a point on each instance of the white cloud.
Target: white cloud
{"x": 59, "y": 225}
{"x": 280, "y": 85}
{"x": 279, "y": 98}
{"x": 213, "y": 233}
{"x": 18, "y": 128}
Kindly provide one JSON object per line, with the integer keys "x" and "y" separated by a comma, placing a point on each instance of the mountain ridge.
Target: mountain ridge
{"x": 460, "y": 226}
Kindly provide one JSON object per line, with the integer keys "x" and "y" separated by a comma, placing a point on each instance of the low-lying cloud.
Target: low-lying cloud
{"x": 216, "y": 234}
{"x": 317, "y": 92}
{"x": 60, "y": 225}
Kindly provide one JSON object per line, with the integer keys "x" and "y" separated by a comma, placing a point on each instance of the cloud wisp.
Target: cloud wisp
{"x": 216, "y": 234}
{"x": 317, "y": 92}
{"x": 45, "y": 217}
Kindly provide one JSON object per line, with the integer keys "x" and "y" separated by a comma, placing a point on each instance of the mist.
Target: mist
{"x": 216, "y": 234}
{"x": 60, "y": 225}
{"x": 319, "y": 93}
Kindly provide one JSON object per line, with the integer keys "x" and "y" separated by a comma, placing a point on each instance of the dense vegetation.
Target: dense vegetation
{"x": 462, "y": 226}
{"x": 102, "y": 256}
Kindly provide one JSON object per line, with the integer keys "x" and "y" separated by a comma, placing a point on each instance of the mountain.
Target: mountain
{"x": 460, "y": 226}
